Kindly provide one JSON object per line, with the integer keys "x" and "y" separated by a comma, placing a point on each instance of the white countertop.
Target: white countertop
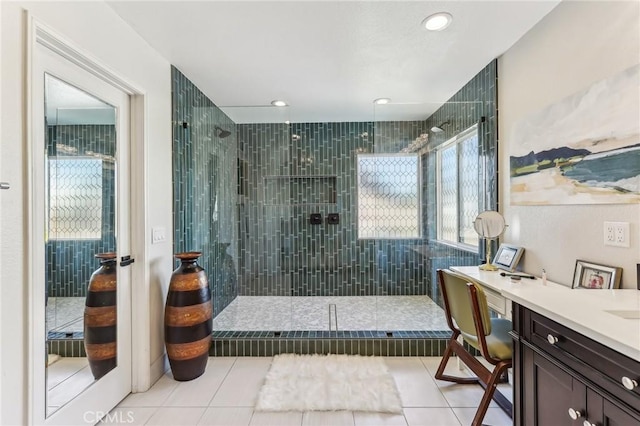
{"x": 581, "y": 310}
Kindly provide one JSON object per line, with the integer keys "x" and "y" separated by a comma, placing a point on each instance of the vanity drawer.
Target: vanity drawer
{"x": 596, "y": 362}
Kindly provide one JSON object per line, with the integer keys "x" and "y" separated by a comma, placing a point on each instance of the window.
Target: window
{"x": 388, "y": 196}
{"x": 75, "y": 198}
{"x": 458, "y": 188}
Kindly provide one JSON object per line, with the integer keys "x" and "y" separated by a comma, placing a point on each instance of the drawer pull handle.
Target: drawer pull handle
{"x": 552, "y": 339}
{"x": 588, "y": 423}
{"x": 575, "y": 415}
{"x": 629, "y": 383}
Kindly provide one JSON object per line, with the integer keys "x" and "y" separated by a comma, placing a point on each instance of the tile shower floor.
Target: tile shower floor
{"x": 65, "y": 314}
{"x": 249, "y": 313}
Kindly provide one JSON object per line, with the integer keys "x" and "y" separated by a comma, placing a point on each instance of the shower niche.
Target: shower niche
{"x": 299, "y": 190}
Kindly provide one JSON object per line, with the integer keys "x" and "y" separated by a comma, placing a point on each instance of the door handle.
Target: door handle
{"x": 5, "y": 185}
{"x": 126, "y": 261}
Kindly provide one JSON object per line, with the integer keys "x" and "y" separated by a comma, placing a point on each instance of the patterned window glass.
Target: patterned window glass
{"x": 75, "y": 198}
{"x": 458, "y": 188}
{"x": 469, "y": 190}
{"x": 388, "y": 196}
{"x": 448, "y": 205}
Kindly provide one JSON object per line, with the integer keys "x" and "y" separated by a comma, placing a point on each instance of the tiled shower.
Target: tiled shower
{"x": 274, "y": 206}
{"x": 299, "y": 170}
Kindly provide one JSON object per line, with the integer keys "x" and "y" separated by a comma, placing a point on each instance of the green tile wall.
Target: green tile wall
{"x": 204, "y": 187}
{"x": 477, "y": 99}
{"x": 281, "y": 252}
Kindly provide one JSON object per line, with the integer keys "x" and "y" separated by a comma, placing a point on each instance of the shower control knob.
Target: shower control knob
{"x": 629, "y": 383}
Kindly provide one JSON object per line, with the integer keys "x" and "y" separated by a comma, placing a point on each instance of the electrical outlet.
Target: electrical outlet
{"x": 622, "y": 234}
{"x": 616, "y": 234}
{"x": 609, "y": 233}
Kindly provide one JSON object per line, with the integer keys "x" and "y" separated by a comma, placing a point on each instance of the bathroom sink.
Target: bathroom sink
{"x": 626, "y": 314}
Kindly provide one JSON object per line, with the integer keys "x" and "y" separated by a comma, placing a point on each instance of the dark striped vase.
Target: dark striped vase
{"x": 188, "y": 317}
{"x": 100, "y": 316}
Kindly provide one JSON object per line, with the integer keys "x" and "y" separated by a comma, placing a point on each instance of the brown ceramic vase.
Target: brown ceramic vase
{"x": 188, "y": 318}
{"x": 100, "y": 315}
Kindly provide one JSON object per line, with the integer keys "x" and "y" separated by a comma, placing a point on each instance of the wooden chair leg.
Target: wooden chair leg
{"x": 452, "y": 347}
{"x": 443, "y": 362}
{"x": 489, "y": 394}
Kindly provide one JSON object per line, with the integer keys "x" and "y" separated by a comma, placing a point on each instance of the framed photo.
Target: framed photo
{"x": 508, "y": 257}
{"x": 592, "y": 275}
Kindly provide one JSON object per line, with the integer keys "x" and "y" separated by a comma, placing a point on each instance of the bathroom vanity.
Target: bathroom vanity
{"x": 562, "y": 377}
{"x": 576, "y": 352}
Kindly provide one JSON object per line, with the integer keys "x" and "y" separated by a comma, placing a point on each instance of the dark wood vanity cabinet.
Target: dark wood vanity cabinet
{"x": 564, "y": 378}
{"x": 610, "y": 413}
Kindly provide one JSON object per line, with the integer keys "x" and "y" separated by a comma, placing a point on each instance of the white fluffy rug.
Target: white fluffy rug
{"x": 329, "y": 383}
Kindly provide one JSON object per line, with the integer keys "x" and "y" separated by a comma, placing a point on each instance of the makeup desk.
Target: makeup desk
{"x": 576, "y": 351}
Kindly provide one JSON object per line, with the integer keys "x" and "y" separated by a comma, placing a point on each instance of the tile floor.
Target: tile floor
{"x": 226, "y": 393}
{"x": 66, "y": 378}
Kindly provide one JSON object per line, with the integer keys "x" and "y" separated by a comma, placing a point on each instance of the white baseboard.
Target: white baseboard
{"x": 158, "y": 368}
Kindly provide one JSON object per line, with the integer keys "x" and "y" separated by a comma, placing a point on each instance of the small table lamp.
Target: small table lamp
{"x": 489, "y": 225}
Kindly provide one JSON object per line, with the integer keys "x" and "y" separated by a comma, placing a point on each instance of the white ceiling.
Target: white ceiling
{"x": 329, "y": 60}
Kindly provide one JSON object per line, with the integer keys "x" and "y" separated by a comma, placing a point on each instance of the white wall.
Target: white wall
{"x": 577, "y": 44}
{"x": 95, "y": 29}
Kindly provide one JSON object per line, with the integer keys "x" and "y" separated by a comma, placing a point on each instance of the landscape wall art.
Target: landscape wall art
{"x": 584, "y": 149}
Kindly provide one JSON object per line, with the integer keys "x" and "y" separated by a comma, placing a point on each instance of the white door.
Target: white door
{"x": 80, "y": 207}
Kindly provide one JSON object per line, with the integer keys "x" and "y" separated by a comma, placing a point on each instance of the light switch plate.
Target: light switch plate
{"x": 158, "y": 234}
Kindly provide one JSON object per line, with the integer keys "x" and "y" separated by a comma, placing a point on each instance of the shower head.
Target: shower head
{"x": 438, "y": 128}
{"x": 222, "y": 133}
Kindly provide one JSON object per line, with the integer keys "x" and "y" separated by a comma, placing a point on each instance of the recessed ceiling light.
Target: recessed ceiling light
{"x": 382, "y": 101}
{"x": 278, "y": 103}
{"x": 437, "y": 21}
